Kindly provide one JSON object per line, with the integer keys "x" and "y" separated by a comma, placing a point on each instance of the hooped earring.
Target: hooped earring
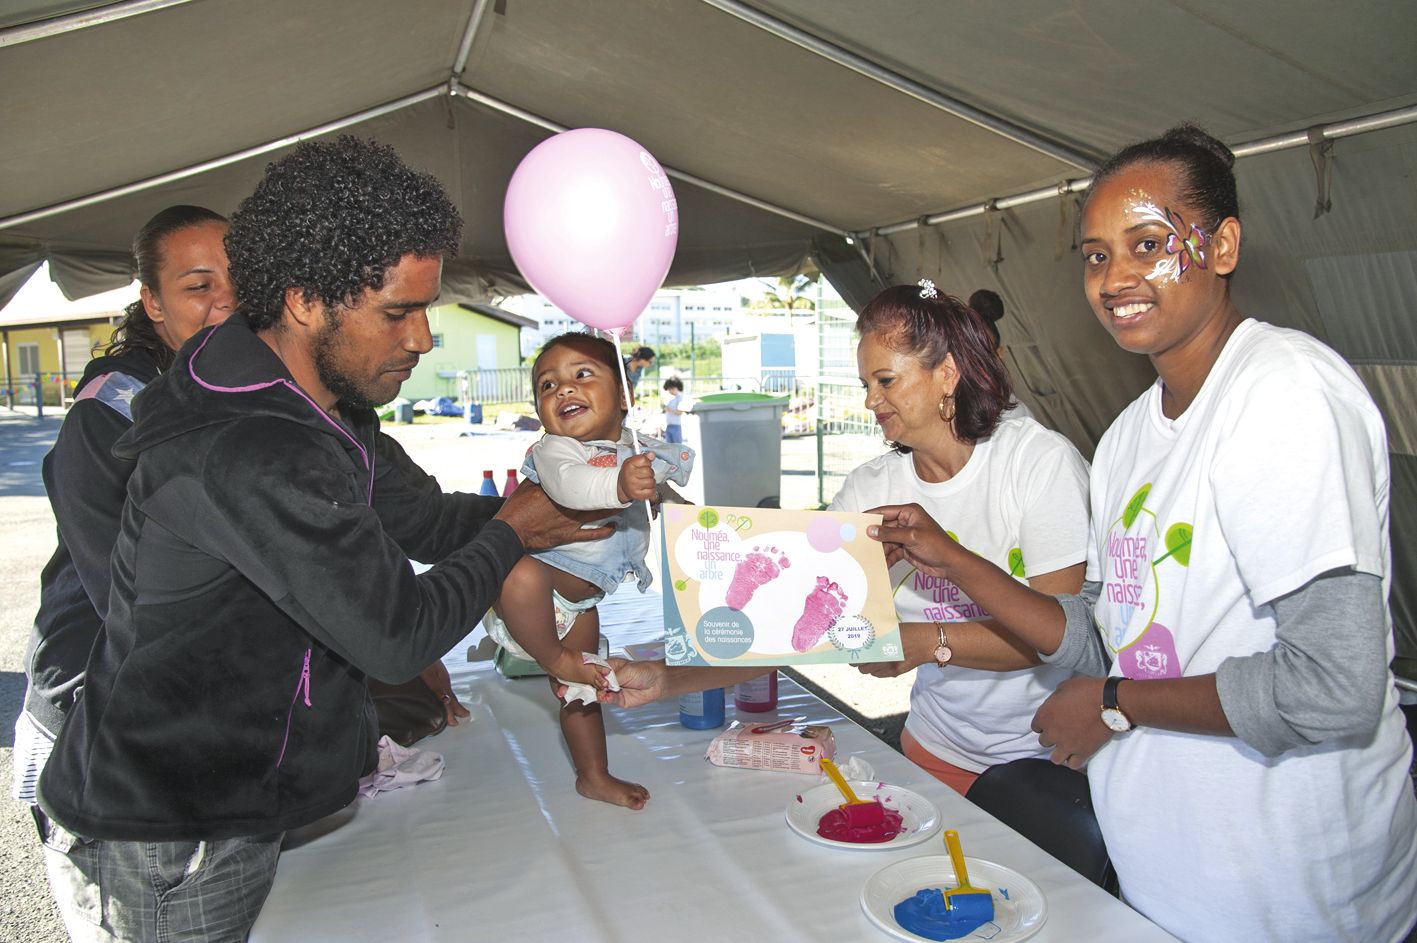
{"x": 948, "y": 400}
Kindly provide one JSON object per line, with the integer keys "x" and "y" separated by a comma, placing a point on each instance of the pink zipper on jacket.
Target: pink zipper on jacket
{"x": 302, "y": 684}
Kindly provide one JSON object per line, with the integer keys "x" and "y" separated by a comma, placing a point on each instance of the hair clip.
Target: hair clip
{"x": 927, "y": 288}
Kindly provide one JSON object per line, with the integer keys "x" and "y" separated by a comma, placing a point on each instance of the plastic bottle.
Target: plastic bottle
{"x": 511, "y": 484}
{"x": 702, "y": 710}
{"x": 489, "y": 487}
{"x": 757, "y": 695}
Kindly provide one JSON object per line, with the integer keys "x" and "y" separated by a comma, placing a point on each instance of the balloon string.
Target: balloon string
{"x": 629, "y": 406}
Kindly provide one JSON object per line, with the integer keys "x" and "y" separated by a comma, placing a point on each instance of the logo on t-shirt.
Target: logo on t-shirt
{"x": 920, "y": 596}
{"x": 1135, "y": 552}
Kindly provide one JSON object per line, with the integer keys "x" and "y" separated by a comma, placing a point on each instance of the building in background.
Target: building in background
{"x": 672, "y": 316}
{"x": 482, "y": 342}
{"x": 45, "y": 335}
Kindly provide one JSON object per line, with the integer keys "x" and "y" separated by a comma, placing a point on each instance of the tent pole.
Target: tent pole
{"x": 894, "y": 80}
{"x": 170, "y": 176}
{"x": 474, "y": 22}
{"x": 506, "y": 108}
{"x": 1339, "y": 129}
{"x": 66, "y": 24}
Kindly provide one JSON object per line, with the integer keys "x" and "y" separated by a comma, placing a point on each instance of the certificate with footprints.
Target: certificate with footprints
{"x": 773, "y": 587}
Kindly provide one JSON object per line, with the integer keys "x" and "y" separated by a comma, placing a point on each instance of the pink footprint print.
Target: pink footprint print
{"x": 753, "y": 571}
{"x": 823, "y": 606}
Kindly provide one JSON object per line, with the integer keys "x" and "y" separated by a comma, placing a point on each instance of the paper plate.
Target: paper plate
{"x": 1019, "y": 907}
{"x": 917, "y": 814}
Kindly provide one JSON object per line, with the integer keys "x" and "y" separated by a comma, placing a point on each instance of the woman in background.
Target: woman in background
{"x": 180, "y": 263}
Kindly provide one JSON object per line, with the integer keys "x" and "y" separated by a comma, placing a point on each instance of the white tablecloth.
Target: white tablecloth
{"x": 503, "y": 848}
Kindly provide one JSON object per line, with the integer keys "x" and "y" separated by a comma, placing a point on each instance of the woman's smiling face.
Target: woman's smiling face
{"x": 902, "y": 392}
{"x": 193, "y": 288}
{"x": 577, "y": 395}
{"x": 1152, "y": 270}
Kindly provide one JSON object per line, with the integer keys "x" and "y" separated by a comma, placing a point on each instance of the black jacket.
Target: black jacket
{"x": 262, "y": 570}
{"x": 86, "y": 484}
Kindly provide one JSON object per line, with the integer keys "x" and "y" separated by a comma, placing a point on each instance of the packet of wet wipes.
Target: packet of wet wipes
{"x": 786, "y": 746}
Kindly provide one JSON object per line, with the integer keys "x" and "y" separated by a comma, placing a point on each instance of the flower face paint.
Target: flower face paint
{"x": 1154, "y": 280}
{"x": 1181, "y": 251}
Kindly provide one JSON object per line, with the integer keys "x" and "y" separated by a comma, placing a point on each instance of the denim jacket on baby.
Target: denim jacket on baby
{"x": 582, "y": 475}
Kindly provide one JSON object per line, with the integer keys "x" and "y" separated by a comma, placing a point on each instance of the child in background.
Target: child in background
{"x": 585, "y": 461}
{"x": 673, "y": 414}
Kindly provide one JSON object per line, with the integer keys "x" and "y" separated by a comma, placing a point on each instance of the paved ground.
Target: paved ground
{"x": 27, "y": 535}
{"x": 452, "y": 451}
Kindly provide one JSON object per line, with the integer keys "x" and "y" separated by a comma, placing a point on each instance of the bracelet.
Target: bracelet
{"x": 943, "y": 653}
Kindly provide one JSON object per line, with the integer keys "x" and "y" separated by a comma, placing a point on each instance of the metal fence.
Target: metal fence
{"x": 491, "y": 387}
{"x": 56, "y": 389}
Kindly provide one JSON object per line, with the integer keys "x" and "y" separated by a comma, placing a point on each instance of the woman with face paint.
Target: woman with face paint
{"x": 1239, "y": 725}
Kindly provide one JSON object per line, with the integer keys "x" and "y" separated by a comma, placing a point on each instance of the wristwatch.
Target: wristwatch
{"x": 942, "y": 652}
{"x": 1112, "y": 715}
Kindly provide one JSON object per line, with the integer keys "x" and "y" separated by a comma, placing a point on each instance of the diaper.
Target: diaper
{"x": 566, "y": 612}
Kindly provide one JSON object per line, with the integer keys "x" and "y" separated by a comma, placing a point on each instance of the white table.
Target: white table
{"x": 503, "y": 848}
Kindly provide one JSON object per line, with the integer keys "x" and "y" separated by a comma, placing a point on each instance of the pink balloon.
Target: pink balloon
{"x": 592, "y": 223}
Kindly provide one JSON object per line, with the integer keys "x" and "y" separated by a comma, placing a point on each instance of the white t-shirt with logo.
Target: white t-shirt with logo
{"x": 1276, "y": 474}
{"x": 1020, "y": 502}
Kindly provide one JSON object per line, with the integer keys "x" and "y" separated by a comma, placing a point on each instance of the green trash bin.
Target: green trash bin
{"x": 740, "y": 448}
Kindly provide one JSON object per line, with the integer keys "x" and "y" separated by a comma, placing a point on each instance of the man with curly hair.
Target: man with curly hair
{"x": 262, "y": 569}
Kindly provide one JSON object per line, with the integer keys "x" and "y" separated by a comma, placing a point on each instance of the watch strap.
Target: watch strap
{"x": 1113, "y": 716}
{"x": 1109, "y": 692}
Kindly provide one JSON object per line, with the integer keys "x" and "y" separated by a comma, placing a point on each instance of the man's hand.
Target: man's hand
{"x": 636, "y": 481}
{"x": 909, "y": 533}
{"x": 1070, "y": 721}
{"x": 542, "y": 523}
{"x": 436, "y": 677}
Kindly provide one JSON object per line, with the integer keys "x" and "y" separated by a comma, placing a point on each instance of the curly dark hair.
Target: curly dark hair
{"x": 929, "y": 329}
{"x": 1206, "y": 165}
{"x": 330, "y": 218}
{"x": 136, "y": 330}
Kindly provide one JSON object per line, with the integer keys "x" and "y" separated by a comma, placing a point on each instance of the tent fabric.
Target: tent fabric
{"x": 712, "y": 95}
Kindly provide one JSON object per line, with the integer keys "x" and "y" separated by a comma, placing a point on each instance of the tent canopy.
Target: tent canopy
{"x": 174, "y": 84}
{"x": 913, "y": 125}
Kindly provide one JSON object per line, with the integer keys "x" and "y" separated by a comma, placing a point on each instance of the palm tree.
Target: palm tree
{"x": 788, "y": 294}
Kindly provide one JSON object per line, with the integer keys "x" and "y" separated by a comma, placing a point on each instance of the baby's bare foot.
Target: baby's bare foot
{"x": 820, "y": 609}
{"x": 753, "y": 571}
{"x": 602, "y": 786}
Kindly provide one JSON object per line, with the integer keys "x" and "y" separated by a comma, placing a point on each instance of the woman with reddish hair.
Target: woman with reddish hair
{"x": 1010, "y": 491}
